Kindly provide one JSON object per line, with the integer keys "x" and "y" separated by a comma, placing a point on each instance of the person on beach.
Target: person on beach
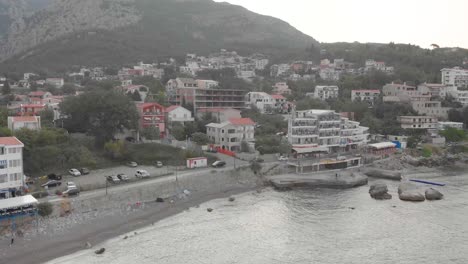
{"x": 12, "y": 241}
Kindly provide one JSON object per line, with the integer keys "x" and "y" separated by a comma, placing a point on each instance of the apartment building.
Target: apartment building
{"x": 230, "y": 134}
{"x": 418, "y": 122}
{"x": 152, "y": 115}
{"x": 431, "y": 108}
{"x": 437, "y": 89}
{"x": 326, "y": 92}
{"x": 402, "y": 92}
{"x": 281, "y": 88}
{"x": 455, "y": 77}
{"x": 445, "y": 125}
{"x": 460, "y": 96}
{"x": 56, "y": 82}
{"x": 329, "y": 74}
{"x": 182, "y": 91}
{"x": 369, "y": 96}
{"x": 324, "y": 130}
{"x": 11, "y": 166}
{"x": 262, "y": 101}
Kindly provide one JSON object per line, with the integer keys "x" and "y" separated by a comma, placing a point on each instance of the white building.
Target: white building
{"x": 326, "y": 92}
{"x": 418, "y": 122}
{"x": 177, "y": 113}
{"x": 395, "y": 92}
{"x": 329, "y": 74}
{"x": 324, "y": 130}
{"x": 262, "y": 101}
{"x": 230, "y": 134}
{"x": 260, "y": 64}
{"x": 281, "y": 88}
{"x": 445, "y": 125}
{"x": 56, "y": 82}
{"x": 460, "y": 96}
{"x": 369, "y": 96}
{"x": 437, "y": 89}
{"x": 19, "y": 122}
{"x": 455, "y": 76}
{"x": 11, "y": 166}
{"x": 431, "y": 108}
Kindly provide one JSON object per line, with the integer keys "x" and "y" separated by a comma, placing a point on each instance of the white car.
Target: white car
{"x": 283, "y": 158}
{"x": 74, "y": 172}
{"x": 71, "y": 185}
{"x": 142, "y": 174}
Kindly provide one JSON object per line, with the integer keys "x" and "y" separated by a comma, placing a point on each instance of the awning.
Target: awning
{"x": 382, "y": 145}
{"x": 15, "y": 202}
{"x": 310, "y": 150}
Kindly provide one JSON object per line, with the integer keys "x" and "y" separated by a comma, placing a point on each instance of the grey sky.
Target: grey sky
{"x": 420, "y": 22}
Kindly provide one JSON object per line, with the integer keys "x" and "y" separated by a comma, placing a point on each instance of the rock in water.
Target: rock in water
{"x": 232, "y": 199}
{"x": 379, "y": 191}
{"x": 412, "y": 196}
{"x": 100, "y": 251}
{"x": 210, "y": 210}
{"x": 159, "y": 200}
{"x": 433, "y": 194}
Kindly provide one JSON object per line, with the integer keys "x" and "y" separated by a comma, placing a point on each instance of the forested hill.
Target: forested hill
{"x": 103, "y": 32}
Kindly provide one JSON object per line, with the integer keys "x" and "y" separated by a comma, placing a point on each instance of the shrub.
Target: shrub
{"x": 426, "y": 152}
{"x": 45, "y": 209}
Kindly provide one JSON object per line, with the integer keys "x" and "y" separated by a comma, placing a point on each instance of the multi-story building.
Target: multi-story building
{"x": 324, "y": 130}
{"x": 369, "y": 96}
{"x": 219, "y": 114}
{"x": 207, "y": 84}
{"x": 418, "y": 122}
{"x": 182, "y": 91}
{"x": 455, "y": 77}
{"x": 445, "y": 125}
{"x": 326, "y": 92}
{"x": 11, "y": 166}
{"x": 431, "y": 108}
{"x": 152, "y": 115}
{"x": 436, "y": 89}
{"x": 19, "y": 122}
{"x": 56, "y": 82}
{"x": 261, "y": 100}
{"x": 260, "y": 64}
{"x": 460, "y": 96}
{"x": 230, "y": 134}
{"x": 281, "y": 88}
{"x": 329, "y": 74}
{"x": 177, "y": 113}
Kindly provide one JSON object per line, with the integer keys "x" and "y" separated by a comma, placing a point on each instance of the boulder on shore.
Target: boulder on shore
{"x": 100, "y": 251}
{"x": 159, "y": 200}
{"x": 379, "y": 191}
{"x": 384, "y": 174}
{"x": 408, "y": 191}
{"x": 433, "y": 194}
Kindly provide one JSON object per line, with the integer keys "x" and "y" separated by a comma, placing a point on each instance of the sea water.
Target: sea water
{"x": 303, "y": 226}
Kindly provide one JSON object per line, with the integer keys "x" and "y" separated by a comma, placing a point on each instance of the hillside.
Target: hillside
{"x": 109, "y": 32}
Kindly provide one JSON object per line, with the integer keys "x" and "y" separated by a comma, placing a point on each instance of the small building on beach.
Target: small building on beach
{"x": 382, "y": 148}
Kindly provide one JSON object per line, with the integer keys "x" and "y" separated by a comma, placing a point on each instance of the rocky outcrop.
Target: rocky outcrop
{"x": 408, "y": 191}
{"x": 379, "y": 191}
{"x": 433, "y": 194}
{"x": 383, "y": 174}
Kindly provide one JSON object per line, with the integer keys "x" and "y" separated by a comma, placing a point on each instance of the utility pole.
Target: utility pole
{"x": 106, "y": 184}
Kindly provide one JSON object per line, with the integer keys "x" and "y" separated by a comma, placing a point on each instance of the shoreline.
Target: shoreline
{"x": 40, "y": 250}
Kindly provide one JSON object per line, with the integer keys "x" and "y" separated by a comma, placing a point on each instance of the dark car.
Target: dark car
{"x": 113, "y": 179}
{"x": 84, "y": 171}
{"x": 52, "y": 183}
{"x": 54, "y": 176}
{"x": 123, "y": 177}
{"x": 218, "y": 164}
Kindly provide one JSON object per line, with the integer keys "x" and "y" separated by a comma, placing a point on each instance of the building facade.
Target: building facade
{"x": 418, "y": 122}
{"x": 369, "y": 96}
{"x": 177, "y": 113}
{"x": 324, "y": 130}
{"x": 19, "y": 122}
{"x": 262, "y": 101}
{"x": 326, "y": 92}
{"x": 11, "y": 166}
{"x": 445, "y": 125}
{"x": 152, "y": 115}
{"x": 455, "y": 77}
{"x": 431, "y": 108}
{"x": 229, "y": 135}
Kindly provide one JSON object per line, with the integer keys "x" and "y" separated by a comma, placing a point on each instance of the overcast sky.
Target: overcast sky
{"x": 420, "y": 22}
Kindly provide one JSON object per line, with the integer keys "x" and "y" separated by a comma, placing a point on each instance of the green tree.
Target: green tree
{"x": 5, "y": 132}
{"x": 200, "y": 138}
{"x": 116, "y": 150}
{"x": 45, "y": 209}
{"x": 6, "y": 88}
{"x": 69, "y": 88}
{"x": 151, "y": 133}
{"x": 47, "y": 117}
{"x": 135, "y": 96}
{"x": 413, "y": 142}
{"x": 255, "y": 166}
{"x": 100, "y": 113}
{"x": 453, "y": 135}
{"x": 3, "y": 116}
{"x": 244, "y": 146}
{"x": 178, "y": 132}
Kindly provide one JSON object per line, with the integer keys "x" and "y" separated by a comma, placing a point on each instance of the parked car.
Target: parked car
{"x": 142, "y": 174}
{"x": 71, "y": 185}
{"x": 52, "y": 183}
{"x": 123, "y": 177}
{"x": 113, "y": 179}
{"x": 54, "y": 176}
{"x": 71, "y": 192}
{"x": 84, "y": 171}
{"x": 74, "y": 172}
{"x": 283, "y": 158}
{"x": 132, "y": 164}
{"x": 159, "y": 164}
{"x": 218, "y": 164}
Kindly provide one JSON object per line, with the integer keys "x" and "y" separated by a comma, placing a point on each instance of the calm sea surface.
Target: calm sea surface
{"x": 304, "y": 226}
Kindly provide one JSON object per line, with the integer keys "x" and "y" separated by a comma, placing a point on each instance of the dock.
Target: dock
{"x": 344, "y": 180}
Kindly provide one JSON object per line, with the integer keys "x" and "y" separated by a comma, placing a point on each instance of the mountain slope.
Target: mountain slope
{"x": 107, "y": 32}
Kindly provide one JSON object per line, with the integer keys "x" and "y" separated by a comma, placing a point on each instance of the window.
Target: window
{"x": 14, "y": 163}
{"x": 3, "y": 178}
{"x": 15, "y": 177}
{"x": 2, "y": 151}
